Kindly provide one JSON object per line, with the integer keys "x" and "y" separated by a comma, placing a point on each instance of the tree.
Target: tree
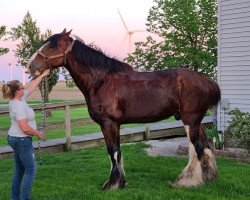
{"x": 31, "y": 39}
{"x": 3, "y": 33}
{"x": 186, "y": 32}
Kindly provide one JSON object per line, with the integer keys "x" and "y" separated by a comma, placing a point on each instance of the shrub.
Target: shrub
{"x": 239, "y": 128}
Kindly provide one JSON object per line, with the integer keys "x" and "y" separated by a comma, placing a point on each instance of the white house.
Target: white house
{"x": 233, "y": 57}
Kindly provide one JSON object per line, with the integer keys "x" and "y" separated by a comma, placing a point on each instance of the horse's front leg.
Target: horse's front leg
{"x": 111, "y": 132}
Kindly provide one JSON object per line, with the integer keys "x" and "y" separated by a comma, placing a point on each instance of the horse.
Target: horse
{"x": 117, "y": 94}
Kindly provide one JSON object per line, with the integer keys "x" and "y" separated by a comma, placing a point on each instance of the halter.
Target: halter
{"x": 47, "y": 58}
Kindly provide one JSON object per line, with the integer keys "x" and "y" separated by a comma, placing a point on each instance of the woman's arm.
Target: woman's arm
{"x": 34, "y": 83}
{"x": 23, "y": 124}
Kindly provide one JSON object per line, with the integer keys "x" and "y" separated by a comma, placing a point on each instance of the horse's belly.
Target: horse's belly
{"x": 142, "y": 114}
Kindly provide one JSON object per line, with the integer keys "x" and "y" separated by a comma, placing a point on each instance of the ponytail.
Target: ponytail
{"x": 9, "y": 89}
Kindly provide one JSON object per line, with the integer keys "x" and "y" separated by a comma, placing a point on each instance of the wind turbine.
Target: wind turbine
{"x": 11, "y": 68}
{"x": 129, "y": 33}
{"x": 11, "y": 71}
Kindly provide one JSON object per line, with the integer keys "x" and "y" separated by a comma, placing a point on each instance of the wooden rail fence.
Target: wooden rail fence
{"x": 53, "y": 125}
{"x": 68, "y": 122}
{"x": 146, "y": 132}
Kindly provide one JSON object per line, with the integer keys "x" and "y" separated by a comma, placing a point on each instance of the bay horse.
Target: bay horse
{"x": 116, "y": 94}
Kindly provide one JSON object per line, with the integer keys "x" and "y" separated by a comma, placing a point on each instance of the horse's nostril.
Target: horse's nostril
{"x": 37, "y": 73}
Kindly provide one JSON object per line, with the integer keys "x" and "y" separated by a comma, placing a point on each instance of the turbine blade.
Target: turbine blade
{"x": 122, "y": 20}
{"x": 124, "y": 39}
{"x": 139, "y": 31}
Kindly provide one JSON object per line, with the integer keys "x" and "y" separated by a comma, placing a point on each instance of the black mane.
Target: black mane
{"x": 91, "y": 56}
{"x": 53, "y": 40}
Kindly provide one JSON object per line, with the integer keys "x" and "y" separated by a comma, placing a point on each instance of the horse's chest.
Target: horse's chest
{"x": 97, "y": 111}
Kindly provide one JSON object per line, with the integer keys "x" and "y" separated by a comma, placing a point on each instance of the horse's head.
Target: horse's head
{"x": 52, "y": 54}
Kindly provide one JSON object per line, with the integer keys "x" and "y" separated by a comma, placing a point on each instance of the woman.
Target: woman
{"x": 23, "y": 127}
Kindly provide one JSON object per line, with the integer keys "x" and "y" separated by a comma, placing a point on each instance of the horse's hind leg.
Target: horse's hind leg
{"x": 117, "y": 174}
{"x": 192, "y": 173}
{"x": 208, "y": 162}
{"x": 202, "y": 164}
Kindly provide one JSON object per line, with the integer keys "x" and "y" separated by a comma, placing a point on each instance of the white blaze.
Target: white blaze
{"x": 31, "y": 59}
{"x": 34, "y": 56}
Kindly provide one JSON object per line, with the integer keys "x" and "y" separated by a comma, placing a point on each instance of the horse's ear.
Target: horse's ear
{"x": 64, "y": 31}
{"x": 68, "y": 33}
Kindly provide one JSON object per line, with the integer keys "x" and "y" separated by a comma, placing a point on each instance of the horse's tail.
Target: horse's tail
{"x": 215, "y": 93}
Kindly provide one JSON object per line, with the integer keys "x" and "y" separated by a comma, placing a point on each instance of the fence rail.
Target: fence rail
{"x": 55, "y": 106}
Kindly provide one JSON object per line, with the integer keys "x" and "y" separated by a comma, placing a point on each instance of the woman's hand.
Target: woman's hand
{"x": 34, "y": 83}
{"x": 24, "y": 126}
{"x": 41, "y": 135}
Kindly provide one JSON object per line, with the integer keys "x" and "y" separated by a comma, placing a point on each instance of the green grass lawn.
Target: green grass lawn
{"x": 79, "y": 175}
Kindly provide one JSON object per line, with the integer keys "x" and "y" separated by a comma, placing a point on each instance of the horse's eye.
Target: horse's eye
{"x": 52, "y": 46}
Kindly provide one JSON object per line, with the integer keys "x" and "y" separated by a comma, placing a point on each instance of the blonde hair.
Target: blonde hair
{"x": 10, "y": 88}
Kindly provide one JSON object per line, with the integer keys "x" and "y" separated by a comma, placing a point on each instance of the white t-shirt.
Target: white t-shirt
{"x": 20, "y": 110}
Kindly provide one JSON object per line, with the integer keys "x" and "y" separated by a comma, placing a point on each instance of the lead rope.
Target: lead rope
{"x": 42, "y": 123}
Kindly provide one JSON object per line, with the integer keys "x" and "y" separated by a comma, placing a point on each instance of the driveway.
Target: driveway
{"x": 165, "y": 147}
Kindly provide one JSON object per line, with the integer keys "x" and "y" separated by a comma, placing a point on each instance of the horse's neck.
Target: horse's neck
{"x": 83, "y": 78}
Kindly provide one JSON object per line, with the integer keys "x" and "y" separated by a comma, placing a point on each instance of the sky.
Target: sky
{"x": 95, "y": 21}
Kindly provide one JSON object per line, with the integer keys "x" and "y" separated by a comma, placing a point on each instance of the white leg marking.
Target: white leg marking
{"x": 210, "y": 162}
{"x": 116, "y": 157}
{"x": 187, "y": 131}
{"x": 119, "y": 168}
{"x": 111, "y": 165}
{"x": 191, "y": 150}
{"x": 192, "y": 173}
{"x": 191, "y": 155}
{"x": 209, "y": 153}
{"x": 119, "y": 165}
{"x": 211, "y": 158}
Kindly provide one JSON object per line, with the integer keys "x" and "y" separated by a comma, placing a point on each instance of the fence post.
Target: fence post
{"x": 146, "y": 135}
{"x": 67, "y": 125}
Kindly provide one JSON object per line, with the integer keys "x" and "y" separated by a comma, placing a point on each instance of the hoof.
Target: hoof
{"x": 177, "y": 185}
{"x": 116, "y": 179}
{"x": 108, "y": 185}
{"x": 172, "y": 185}
{"x": 186, "y": 183}
{"x": 190, "y": 178}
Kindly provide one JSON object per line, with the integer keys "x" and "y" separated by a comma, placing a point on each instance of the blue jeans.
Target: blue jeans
{"x": 25, "y": 167}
